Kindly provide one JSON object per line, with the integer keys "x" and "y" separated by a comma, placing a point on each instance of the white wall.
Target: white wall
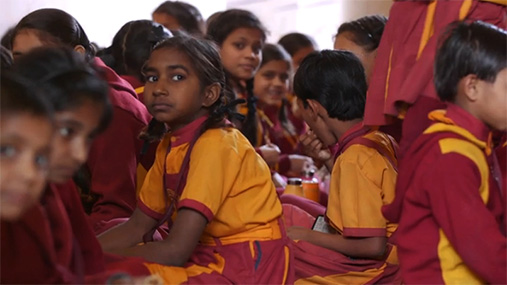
{"x": 319, "y": 18}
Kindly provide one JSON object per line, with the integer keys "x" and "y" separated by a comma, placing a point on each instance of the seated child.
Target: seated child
{"x": 25, "y": 136}
{"x": 449, "y": 200}
{"x": 355, "y": 248}
{"x": 207, "y": 182}
{"x": 277, "y": 124}
{"x": 53, "y": 242}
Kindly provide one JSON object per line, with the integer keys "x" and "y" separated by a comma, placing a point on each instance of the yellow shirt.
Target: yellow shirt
{"x": 362, "y": 181}
{"x": 227, "y": 182}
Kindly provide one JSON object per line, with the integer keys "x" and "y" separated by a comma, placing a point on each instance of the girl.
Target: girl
{"x": 176, "y": 15}
{"x": 25, "y": 136}
{"x": 227, "y": 226}
{"x": 277, "y": 124}
{"x": 298, "y": 46}
{"x": 116, "y": 153}
{"x": 131, "y": 48}
{"x": 362, "y": 38}
{"x": 241, "y": 36}
{"x": 54, "y": 243}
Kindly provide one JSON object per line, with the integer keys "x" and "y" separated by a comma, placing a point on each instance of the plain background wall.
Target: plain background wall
{"x": 101, "y": 19}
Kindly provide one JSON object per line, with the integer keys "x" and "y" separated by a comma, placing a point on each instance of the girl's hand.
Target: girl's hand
{"x": 313, "y": 147}
{"x": 270, "y": 153}
{"x": 298, "y": 233}
{"x": 299, "y": 163}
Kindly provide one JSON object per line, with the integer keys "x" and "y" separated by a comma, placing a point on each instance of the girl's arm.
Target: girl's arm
{"x": 368, "y": 247}
{"x": 128, "y": 233}
{"x": 177, "y": 248}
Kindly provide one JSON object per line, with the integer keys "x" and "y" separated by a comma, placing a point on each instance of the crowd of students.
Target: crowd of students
{"x": 162, "y": 159}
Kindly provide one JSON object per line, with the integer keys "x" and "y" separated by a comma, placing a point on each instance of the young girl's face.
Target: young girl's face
{"x": 24, "y": 149}
{"x": 166, "y": 20}
{"x": 75, "y": 130}
{"x": 271, "y": 82}
{"x": 298, "y": 56}
{"x": 24, "y": 41}
{"x": 241, "y": 52}
{"x": 173, "y": 92}
{"x": 343, "y": 42}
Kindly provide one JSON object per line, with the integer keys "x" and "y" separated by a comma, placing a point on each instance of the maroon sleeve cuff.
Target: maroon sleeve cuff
{"x": 258, "y": 150}
{"x": 147, "y": 211}
{"x": 197, "y": 206}
{"x": 364, "y": 232}
{"x": 283, "y": 164}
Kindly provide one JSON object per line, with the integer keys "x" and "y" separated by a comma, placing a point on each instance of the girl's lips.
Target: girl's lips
{"x": 248, "y": 67}
{"x": 160, "y": 107}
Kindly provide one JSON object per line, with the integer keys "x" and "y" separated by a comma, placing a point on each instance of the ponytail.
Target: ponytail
{"x": 249, "y": 127}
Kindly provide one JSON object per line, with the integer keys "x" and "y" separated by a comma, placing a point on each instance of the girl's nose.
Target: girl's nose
{"x": 80, "y": 151}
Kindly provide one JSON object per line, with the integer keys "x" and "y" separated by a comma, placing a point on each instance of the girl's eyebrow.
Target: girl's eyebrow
{"x": 177, "y": 66}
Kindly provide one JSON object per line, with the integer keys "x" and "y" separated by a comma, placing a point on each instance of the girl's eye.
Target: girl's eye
{"x": 151, "y": 78}
{"x": 177, "y": 77}
{"x": 7, "y": 151}
{"x": 269, "y": 75}
{"x": 239, "y": 45}
{"x": 65, "y": 131}
{"x": 42, "y": 161}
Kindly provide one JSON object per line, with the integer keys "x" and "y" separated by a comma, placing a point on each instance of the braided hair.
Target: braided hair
{"x": 366, "y": 31}
{"x": 205, "y": 59}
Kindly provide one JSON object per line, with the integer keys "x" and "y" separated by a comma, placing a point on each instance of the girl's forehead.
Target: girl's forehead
{"x": 169, "y": 56}
{"x": 248, "y": 33}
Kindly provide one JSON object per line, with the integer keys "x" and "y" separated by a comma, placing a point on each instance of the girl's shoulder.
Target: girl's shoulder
{"x": 224, "y": 139}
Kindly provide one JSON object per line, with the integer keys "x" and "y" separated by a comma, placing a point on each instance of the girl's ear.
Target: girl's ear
{"x": 80, "y": 49}
{"x": 211, "y": 94}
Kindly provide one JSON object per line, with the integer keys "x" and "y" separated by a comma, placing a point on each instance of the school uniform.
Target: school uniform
{"x": 115, "y": 155}
{"x": 402, "y": 79}
{"x": 230, "y": 185}
{"x": 149, "y": 149}
{"x": 136, "y": 84}
{"x": 271, "y": 130}
{"x": 362, "y": 181}
{"x": 53, "y": 243}
{"x": 449, "y": 205}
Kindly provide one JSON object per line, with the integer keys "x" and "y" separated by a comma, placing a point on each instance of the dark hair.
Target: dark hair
{"x": 56, "y": 26}
{"x": 132, "y": 46}
{"x": 18, "y": 95}
{"x": 228, "y": 21}
{"x": 7, "y": 38}
{"x": 6, "y": 58}
{"x": 336, "y": 80}
{"x": 468, "y": 48}
{"x": 211, "y": 18}
{"x": 205, "y": 59}
{"x": 366, "y": 31}
{"x": 65, "y": 79}
{"x": 293, "y": 42}
{"x": 188, "y": 16}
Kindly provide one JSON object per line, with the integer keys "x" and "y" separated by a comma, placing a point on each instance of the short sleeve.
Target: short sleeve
{"x": 355, "y": 201}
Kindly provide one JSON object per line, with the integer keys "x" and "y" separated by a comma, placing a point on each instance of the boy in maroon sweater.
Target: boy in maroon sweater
{"x": 449, "y": 201}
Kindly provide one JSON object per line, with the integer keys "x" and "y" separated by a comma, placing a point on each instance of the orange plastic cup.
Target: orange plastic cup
{"x": 311, "y": 190}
